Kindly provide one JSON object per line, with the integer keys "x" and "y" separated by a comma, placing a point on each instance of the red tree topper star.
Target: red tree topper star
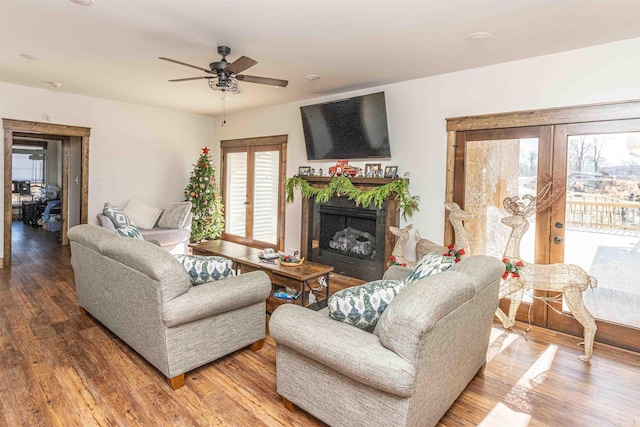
{"x": 205, "y": 150}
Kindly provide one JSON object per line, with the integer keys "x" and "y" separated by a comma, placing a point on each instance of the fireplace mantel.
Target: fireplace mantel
{"x": 389, "y": 211}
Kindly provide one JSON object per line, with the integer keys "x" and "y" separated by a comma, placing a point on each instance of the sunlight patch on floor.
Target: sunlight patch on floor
{"x": 499, "y": 340}
{"x": 518, "y": 397}
{"x": 502, "y": 415}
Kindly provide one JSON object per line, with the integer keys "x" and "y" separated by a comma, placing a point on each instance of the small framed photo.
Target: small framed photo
{"x": 372, "y": 170}
{"x": 391, "y": 172}
{"x": 304, "y": 170}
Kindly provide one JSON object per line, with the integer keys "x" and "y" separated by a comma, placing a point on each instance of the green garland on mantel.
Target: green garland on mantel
{"x": 342, "y": 186}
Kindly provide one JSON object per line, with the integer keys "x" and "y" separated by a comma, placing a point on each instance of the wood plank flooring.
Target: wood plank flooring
{"x": 61, "y": 368}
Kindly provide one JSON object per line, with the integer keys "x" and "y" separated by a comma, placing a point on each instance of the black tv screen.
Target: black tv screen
{"x": 354, "y": 128}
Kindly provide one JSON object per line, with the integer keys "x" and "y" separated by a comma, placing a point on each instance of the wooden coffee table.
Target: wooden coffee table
{"x": 247, "y": 259}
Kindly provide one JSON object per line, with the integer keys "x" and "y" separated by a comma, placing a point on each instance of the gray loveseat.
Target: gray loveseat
{"x": 427, "y": 346}
{"x": 143, "y": 295}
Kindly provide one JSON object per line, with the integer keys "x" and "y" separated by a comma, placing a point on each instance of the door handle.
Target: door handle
{"x": 557, "y": 239}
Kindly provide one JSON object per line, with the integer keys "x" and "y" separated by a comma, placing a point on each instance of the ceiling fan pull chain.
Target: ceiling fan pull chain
{"x": 224, "y": 107}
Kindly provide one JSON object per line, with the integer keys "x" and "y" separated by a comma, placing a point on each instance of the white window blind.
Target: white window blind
{"x": 265, "y": 199}
{"x": 236, "y": 195}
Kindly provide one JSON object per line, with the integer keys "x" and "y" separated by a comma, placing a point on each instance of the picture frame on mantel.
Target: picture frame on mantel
{"x": 304, "y": 170}
{"x": 391, "y": 172}
{"x": 372, "y": 170}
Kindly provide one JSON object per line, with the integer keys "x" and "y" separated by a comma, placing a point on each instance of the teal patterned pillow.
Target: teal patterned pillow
{"x": 430, "y": 264}
{"x": 129, "y": 231}
{"x": 362, "y": 306}
{"x": 117, "y": 217}
{"x": 203, "y": 269}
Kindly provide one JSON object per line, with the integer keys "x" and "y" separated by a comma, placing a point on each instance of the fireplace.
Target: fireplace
{"x": 355, "y": 240}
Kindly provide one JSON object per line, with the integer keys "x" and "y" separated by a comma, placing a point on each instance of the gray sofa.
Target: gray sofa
{"x": 173, "y": 240}
{"x": 144, "y": 296}
{"x": 427, "y": 346}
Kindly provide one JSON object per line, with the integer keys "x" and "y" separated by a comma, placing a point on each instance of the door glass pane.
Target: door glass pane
{"x": 236, "y": 187}
{"x": 603, "y": 221}
{"x": 265, "y": 199}
{"x": 495, "y": 170}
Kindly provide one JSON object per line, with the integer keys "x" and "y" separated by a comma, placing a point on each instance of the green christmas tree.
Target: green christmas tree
{"x": 202, "y": 192}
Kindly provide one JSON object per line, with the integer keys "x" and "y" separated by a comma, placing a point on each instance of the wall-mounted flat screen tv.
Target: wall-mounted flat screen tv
{"x": 353, "y": 128}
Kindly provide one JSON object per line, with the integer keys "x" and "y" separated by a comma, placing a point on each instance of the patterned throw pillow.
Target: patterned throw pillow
{"x": 129, "y": 231}
{"x": 117, "y": 217}
{"x": 430, "y": 264}
{"x": 144, "y": 215}
{"x": 175, "y": 215}
{"x": 362, "y": 306}
{"x": 203, "y": 269}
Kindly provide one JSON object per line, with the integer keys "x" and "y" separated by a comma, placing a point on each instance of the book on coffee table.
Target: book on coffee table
{"x": 286, "y": 293}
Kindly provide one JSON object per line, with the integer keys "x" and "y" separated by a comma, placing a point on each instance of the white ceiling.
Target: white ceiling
{"x": 110, "y": 50}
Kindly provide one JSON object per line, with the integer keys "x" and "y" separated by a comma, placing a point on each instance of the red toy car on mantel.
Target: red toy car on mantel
{"x": 342, "y": 168}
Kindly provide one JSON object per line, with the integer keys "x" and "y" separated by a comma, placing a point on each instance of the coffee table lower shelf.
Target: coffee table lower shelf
{"x": 299, "y": 280}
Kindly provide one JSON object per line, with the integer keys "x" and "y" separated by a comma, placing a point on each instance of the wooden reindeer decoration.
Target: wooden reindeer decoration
{"x": 569, "y": 279}
{"x": 461, "y": 239}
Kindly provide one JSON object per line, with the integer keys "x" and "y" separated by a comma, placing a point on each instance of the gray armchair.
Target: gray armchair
{"x": 427, "y": 346}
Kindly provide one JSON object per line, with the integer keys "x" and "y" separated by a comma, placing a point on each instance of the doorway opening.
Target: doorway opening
{"x": 74, "y": 179}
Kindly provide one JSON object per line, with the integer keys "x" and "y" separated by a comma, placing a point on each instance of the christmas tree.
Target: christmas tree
{"x": 202, "y": 192}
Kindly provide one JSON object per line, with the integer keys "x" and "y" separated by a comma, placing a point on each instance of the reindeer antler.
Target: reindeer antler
{"x": 550, "y": 192}
{"x": 541, "y": 202}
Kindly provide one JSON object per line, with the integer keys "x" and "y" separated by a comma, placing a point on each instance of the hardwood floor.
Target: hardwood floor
{"x": 60, "y": 367}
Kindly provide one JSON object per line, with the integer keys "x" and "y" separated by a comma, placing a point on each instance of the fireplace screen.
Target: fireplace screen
{"x": 348, "y": 237}
{"x": 348, "y": 232}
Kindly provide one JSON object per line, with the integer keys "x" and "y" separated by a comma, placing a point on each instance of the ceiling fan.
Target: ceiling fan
{"x": 224, "y": 76}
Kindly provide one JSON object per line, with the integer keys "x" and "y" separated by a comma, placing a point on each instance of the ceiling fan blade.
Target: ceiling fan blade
{"x": 185, "y": 64}
{"x": 192, "y": 78}
{"x": 239, "y": 65}
{"x": 263, "y": 80}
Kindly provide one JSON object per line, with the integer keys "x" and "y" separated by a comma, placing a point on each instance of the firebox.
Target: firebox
{"x": 350, "y": 238}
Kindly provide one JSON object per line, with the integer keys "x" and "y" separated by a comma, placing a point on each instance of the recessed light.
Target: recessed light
{"x": 312, "y": 77}
{"x": 478, "y": 36}
{"x": 83, "y": 2}
{"x": 31, "y": 56}
{"x": 55, "y": 84}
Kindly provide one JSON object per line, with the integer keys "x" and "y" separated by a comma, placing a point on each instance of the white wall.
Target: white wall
{"x": 136, "y": 151}
{"x": 417, "y": 111}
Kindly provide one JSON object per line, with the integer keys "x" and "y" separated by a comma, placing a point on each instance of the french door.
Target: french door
{"x": 596, "y": 225}
{"x": 593, "y": 222}
{"x": 252, "y": 189}
{"x": 498, "y": 164}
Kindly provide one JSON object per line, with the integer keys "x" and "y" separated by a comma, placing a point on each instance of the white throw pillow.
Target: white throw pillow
{"x": 143, "y": 215}
{"x": 175, "y": 216}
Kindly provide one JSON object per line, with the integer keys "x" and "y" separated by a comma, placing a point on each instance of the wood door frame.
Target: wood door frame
{"x": 557, "y": 118}
{"x": 243, "y": 144}
{"x": 19, "y": 128}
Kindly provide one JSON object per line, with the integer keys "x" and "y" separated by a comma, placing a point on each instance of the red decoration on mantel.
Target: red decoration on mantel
{"x": 205, "y": 150}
